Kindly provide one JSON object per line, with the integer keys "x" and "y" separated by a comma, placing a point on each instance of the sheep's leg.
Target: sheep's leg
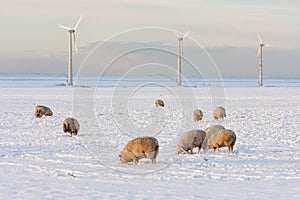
{"x": 153, "y": 160}
{"x": 135, "y": 160}
{"x": 216, "y": 148}
{"x": 199, "y": 148}
{"x": 149, "y": 155}
{"x": 75, "y": 133}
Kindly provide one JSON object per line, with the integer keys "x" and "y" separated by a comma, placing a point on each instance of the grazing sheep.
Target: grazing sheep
{"x": 190, "y": 140}
{"x": 213, "y": 129}
{"x": 71, "y": 125}
{"x": 197, "y": 115}
{"x": 224, "y": 138}
{"x": 42, "y": 110}
{"x": 138, "y": 148}
{"x": 219, "y": 113}
{"x": 159, "y": 102}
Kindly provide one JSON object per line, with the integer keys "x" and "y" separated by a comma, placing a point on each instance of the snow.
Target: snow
{"x": 39, "y": 161}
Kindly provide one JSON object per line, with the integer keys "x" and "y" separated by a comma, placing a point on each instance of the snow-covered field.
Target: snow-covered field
{"x": 39, "y": 161}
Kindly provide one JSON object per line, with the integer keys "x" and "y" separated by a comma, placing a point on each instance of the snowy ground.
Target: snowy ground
{"x": 38, "y": 161}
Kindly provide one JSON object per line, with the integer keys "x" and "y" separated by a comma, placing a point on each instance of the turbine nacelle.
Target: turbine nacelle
{"x": 72, "y": 31}
{"x": 180, "y": 36}
{"x": 261, "y": 45}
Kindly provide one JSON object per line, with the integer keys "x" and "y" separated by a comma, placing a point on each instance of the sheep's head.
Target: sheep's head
{"x": 38, "y": 112}
{"x": 159, "y": 102}
{"x": 124, "y": 158}
{"x": 73, "y": 132}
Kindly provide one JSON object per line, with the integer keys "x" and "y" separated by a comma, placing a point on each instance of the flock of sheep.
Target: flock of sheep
{"x": 213, "y": 137}
{"x": 70, "y": 125}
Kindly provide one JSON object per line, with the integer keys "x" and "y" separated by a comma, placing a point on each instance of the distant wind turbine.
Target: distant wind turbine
{"x": 180, "y": 54}
{"x": 259, "y": 54}
{"x": 71, "y": 40}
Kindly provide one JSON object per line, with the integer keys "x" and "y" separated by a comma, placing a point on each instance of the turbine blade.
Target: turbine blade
{"x": 78, "y": 22}
{"x": 260, "y": 40}
{"x": 75, "y": 44}
{"x": 176, "y": 34}
{"x": 186, "y": 34}
{"x": 268, "y": 45}
{"x": 64, "y": 27}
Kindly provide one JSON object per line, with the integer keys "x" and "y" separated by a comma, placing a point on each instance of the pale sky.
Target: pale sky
{"x": 31, "y": 40}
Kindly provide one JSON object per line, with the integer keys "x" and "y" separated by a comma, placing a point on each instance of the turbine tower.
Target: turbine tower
{"x": 71, "y": 40}
{"x": 180, "y": 53}
{"x": 259, "y": 54}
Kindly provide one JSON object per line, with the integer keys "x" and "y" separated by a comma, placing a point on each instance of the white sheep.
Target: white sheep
{"x": 213, "y": 129}
{"x": 223, "y": 138}
{"x": 138, "y": 148}
{"x": 71, "y": 125}
{"x": 219, "y": 113}
{"x": 190, "y": 140}
{"x": 159, "y": 102}
{"x": 42, "y": 110}
{"x": 197, "y": 115}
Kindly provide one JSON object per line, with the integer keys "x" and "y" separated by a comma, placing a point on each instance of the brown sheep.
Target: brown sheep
{"x": 71, "y": 125}
{"x": 197, "y": 115}
{"x": 219, "y": 113}
{"x": 213, "y": 129}
{"x": 190, "y": 140}
{"x": 42, "y": 110}
{"x": 224, "y": 138}
{"x": 159, "y": 102}
{"x": 138, "y": 148}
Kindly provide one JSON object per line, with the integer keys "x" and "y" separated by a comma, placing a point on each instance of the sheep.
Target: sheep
{"x": 159, "y": 102}
{"x": 190, "y": 140}
{"x": 223, "y": 138}
{"x": 213, "y": 129}
{"x": 219, "y": 113}
{"x": 71, "y": 125}
{"x": 197, "y": 115}
{"x": 42, "y": 110}
{"x": 138, "y": 148}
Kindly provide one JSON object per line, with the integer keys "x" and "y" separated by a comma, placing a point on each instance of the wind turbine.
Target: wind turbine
{"x": 259, "y": 54}
{"x": 180, "y": 53}
{"x": 71, "y": 40}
